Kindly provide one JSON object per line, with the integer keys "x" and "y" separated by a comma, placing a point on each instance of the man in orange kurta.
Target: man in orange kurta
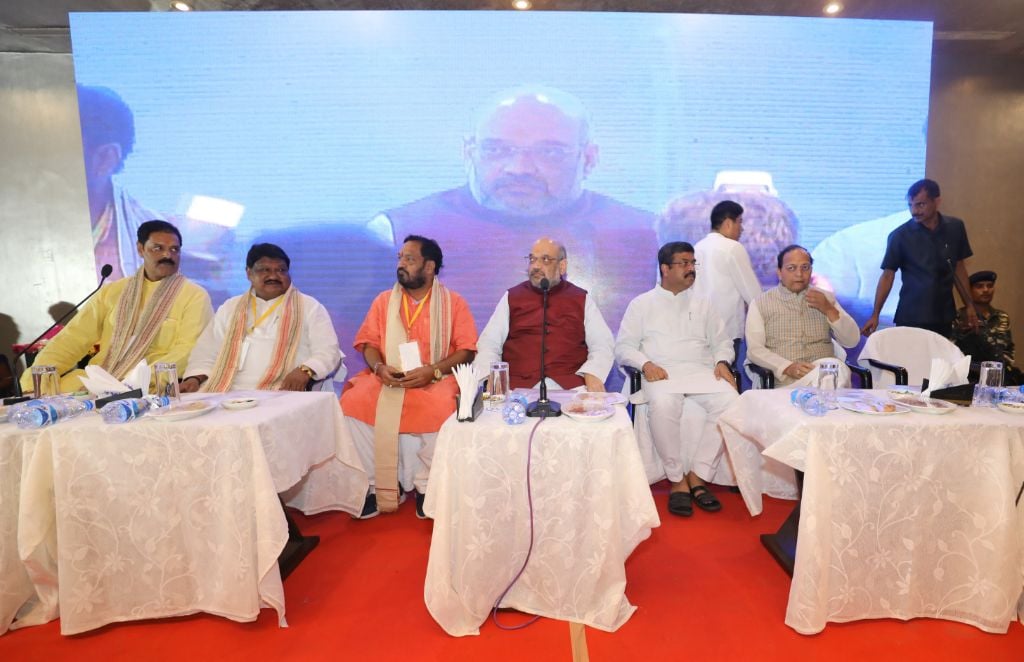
{"x": 389, "y": 399}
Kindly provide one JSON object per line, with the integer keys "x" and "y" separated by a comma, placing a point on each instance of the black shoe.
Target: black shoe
{"x": 369, "y": 507}
{"x": 680, "y": 503}
{"x": 420, "y": 498}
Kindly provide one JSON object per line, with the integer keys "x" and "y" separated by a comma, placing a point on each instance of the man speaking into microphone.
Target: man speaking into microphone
{"x": 154, "y": 314}
{"x": 579, "y": 347}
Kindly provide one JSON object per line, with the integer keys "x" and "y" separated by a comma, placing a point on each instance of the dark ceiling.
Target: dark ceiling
{"x": 982, "y": 27}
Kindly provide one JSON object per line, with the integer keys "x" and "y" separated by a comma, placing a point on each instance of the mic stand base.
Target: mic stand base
{"x": 543, "y": 409}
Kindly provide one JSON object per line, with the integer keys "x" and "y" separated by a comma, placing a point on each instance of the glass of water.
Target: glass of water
{"x": 497, "y": 385}
{"x": 828, "y": 382}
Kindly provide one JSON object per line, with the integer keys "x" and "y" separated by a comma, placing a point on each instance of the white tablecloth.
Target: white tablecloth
{"x": 902, "y": 516}
{"x": 153, "y": 519}
{"x": 591, "y": 504}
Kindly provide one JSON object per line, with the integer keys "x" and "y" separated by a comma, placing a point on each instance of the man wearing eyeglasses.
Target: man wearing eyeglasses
{"x": 790, "y": 327}
{"x": 676, "y": 338}
{"x": 527, "y": 158}
{"x": 273, "y": 337}
{"x": 154, "y": 314}
{"x": 579, "y": 345}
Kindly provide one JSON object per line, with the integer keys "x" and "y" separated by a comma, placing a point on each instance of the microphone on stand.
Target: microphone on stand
{"x": 543, "y": 407}
{"x": 105, "y": 272}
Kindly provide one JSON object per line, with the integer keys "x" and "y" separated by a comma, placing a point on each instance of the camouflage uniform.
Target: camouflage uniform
{"x": 992, "y": 342}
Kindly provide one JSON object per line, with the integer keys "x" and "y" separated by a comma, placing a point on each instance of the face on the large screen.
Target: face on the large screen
{"x": 529, "y": 157}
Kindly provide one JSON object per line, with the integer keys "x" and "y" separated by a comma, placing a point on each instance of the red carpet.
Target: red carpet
{"x": 705, "y": 588}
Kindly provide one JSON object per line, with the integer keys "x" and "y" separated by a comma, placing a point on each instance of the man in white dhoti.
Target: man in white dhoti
{"x": 273, "y": 337}
{"x": 676, "y": 338}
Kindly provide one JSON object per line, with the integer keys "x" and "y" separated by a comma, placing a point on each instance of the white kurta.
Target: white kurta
{"x": 844, "y": 330}
{"x": 683, "y": 334}
{"x": 726, "y": 277}
{"x": 318, "y": 345}
{"x": 599, "y": 339}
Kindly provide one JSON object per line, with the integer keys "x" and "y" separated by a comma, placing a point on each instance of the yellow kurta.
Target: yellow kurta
{"x": 95, "y": 324}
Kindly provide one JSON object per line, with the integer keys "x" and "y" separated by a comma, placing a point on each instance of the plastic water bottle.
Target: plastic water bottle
{"x": 513, "y": 412}
{"x": 122, "y": 411}
{"x": 809, "y": 401}
{"x": 47, "y": 411}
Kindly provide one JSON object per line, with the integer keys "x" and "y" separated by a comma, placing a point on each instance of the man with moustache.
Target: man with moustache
{"x": 675, "y": 337}
{"x": 412, "y": 337}
{"x": 929, "y": 251}
{"x": 992, "y": 340}
{"x": 579, "y": 350}
{"x": 790, "y": 327}
{"x": 155, "y": 314}
{"x": 527, "y": 158}
{"x": 270, "y": 338}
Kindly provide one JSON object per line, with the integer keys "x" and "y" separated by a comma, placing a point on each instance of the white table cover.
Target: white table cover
{"x": 591, "y": 504}
{"x": 152, "y": 519}
{"x": 902, "y": 516}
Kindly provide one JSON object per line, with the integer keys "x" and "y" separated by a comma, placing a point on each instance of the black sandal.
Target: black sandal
{"x": 680, "y": 503}
{"x": 705, "y": 499}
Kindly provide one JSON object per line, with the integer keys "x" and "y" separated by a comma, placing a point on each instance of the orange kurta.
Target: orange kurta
{"x": 424, "y": 409}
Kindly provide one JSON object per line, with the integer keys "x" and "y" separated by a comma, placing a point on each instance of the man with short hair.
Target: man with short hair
{"x": 412, "y": 337}
{"x": 930, "y": 251}
{"x": 790, "y": 327}
{"x": 579, "y": 345}
{"x": 992, "y": 340}
{"x": 675, "y": 337}
{"x": 155, "y": 314}
{"x": 273, "y": 337}
{"x": 726, "y": 275}
{"x": 528, "y": 156}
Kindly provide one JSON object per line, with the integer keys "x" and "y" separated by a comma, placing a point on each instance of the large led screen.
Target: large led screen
{"x": 335, "y": 134}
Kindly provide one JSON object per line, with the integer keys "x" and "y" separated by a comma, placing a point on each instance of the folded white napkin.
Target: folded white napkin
{"x": 943, "y": 374}
{"x": 468, "y": 378}
{"x": 100, "y": 382}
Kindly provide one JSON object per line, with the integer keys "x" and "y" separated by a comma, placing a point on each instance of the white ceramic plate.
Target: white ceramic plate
{"x": 922, "y": 404}
{"x": 587, "y": 411}
{"x": 602, "y": 398}
{"x": 1012, "y": 407}
{"x": 240, "y": 403}
{"x": 872, "y": 407}
{"x": 182, "y": 411}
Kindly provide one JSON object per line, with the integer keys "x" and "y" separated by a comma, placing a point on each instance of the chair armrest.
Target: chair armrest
{"x": 767, "y": 376}
{"x": 900, "y": 373}
{"x": 634, "y": 378}
{"x": 863, "y": 374}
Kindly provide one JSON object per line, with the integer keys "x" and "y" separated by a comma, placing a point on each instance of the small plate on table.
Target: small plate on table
{"x": 922, "y": 404}
{"x": 1012, "y": 407}
{"x": 181, "y": 411}
{"x": 239, "y": 403}
{"x": 601, "y": 398}
{"x": 872, "y": 407}
{"x": 587, "y": 411}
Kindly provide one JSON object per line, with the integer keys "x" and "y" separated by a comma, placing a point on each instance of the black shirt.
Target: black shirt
{"x": 926, "y": 260}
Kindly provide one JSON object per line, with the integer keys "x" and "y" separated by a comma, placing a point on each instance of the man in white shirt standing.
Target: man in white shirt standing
{"x": 273, "y": 337}
{"x": 790, "y": 327}
{"x": 578, "y": 349}
{"x": 676, "y": 338}
{"x": 727, "y": 277}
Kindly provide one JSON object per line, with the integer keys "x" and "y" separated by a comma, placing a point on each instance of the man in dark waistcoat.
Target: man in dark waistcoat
{"x": 580, "y": 346}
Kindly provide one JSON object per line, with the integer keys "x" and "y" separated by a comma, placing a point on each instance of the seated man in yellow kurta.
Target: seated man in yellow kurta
{"x": 411, "y": 338}
{"x": 155, "y": 314}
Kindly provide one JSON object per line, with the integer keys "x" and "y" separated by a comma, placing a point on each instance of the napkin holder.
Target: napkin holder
{"x": 478, "y": 406}
{"x": 102, "y": 402}
{"x": 958, "y": 395}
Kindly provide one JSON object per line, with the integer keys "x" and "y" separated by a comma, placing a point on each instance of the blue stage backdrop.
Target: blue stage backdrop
{"x": 334, "y": 134}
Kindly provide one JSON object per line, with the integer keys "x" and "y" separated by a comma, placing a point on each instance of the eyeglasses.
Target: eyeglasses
{"x": 266, "y": 271}
{"x": 549, "y": 154}
{"x": 793, "y": 268}
{"x": 546, "y": 260}
{"x": 160, "y": 249}
{"x": 684, "y": 263}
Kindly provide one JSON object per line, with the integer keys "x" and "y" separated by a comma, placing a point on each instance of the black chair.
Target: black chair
{"x": 7, "y": 388}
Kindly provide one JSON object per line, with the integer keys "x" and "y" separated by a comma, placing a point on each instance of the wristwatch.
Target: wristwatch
{"x": 309, "y": 371}
{"x": 437, "y": 375}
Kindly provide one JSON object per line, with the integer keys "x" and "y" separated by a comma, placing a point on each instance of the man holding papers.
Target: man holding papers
{"x": 678, "y": 341}
{"x": 412, "y": 337}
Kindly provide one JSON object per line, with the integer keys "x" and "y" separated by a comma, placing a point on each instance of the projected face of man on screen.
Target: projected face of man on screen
{"x": 530, "y": 152}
